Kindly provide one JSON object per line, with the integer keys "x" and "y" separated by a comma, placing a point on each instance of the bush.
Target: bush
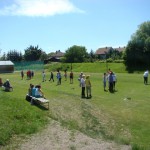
{"x": 110, "y": 60}
{"x": 119, "y": 61}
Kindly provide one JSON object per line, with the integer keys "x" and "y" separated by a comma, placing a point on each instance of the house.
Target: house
{"x": 101, "y": 52}
{"x": 55, "y": 57}
{"x": 58, "y": 54}
{"x": 6, "y": 67}
{"x": 120, "y": 49}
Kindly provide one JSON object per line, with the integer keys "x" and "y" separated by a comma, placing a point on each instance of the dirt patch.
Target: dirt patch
{"x": 55, "y": 137}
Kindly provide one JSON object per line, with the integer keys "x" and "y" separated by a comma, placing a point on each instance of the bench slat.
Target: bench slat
{"x": 41, "y": 100}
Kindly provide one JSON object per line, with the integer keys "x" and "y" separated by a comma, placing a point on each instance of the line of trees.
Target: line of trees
{"x": 32, "y": 53}
{"x": 137, "y": 51}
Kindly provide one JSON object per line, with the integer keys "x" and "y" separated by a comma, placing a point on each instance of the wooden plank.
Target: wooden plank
{"x": 40, "y": 100}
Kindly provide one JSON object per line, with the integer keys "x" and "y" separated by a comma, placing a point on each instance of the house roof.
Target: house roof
{"x": 6, "y": 63}
{"x": 58, "y": 54}
{"x": 103, "y": 50}
{"x": 120, "y": 49}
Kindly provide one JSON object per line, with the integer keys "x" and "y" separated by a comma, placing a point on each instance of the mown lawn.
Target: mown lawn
{"x": 122, "y": 116}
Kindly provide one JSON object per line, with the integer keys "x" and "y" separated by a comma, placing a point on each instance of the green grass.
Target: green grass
{"x": 88, "y": 67}
{"x": 122, "y": 116}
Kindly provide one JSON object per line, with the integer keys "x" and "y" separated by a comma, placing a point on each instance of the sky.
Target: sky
{"x": 59, "y": 24}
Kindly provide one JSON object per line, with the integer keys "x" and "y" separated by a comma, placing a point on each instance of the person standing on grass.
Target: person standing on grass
{"x": 71, "y": 77}
{"x": 22, "y": 74}
{"x": 114, "y": 81}
{"x": 65, "y": 75}
{"x": 145, "y": 75}
{"x": 88, "y": 86}
{"x": 51, "y": 76}
{"x": 104, "y": 81}
{"x": 58, "y": 77}
{"x": 43, "y": 76}
{"x": 82, "y": 84}
{"x": 32, "y": 73}
{"x": 110, "y": 80}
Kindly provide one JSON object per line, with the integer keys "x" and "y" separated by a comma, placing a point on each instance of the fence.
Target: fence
{"x": 29, "y": 65}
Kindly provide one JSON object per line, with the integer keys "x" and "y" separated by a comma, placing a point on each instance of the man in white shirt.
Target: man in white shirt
{"x": 82, "y": 84}
{"x": 145, "y": 75}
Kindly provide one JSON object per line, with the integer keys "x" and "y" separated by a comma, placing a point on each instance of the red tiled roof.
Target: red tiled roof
{"x": 120, "y": 49}
{"x": 102, "y": 51}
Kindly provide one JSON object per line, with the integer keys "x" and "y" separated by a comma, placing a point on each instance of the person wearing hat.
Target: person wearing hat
{"x": 7, "y": 86}
{"x": 88, "y": 86}
{"x": 82, "y": 84}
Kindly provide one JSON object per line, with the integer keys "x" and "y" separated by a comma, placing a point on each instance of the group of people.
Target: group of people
{"x": 30, "y": 74}
{"x": 112, "y": 79}
{"x": 85, "y": 84}
{"x": 34, "y": 91}
{"x": 58, "y": 76}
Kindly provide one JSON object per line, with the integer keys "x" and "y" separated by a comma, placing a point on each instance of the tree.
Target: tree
{"x": 76, "y": 54}
{"x": 32, "y": 53}
{"x": 43, "y": 56}
{"x": 14, "y": 56}
{"x": 137, "y": 52}
{"x": 92, "y": 56}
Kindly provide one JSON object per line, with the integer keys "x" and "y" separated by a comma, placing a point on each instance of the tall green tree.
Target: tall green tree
{"x": 76, "y": 54}
{"x": 32, "y": 53}
{"x": 14, "y": 56}
{"x": 138, "y": 49}
{"x": 43, "y": 56}
{"x": 92, "y": 56}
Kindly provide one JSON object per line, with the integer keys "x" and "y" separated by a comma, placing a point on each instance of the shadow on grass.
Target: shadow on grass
{"x": 113, "y": 92}
{"x": 43, "y": 107}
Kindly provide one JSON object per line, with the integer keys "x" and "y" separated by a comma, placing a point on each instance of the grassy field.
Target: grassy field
{"x": 122, "y": 116}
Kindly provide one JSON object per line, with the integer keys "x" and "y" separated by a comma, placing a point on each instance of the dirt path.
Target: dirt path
{"x": 55, "y": 137}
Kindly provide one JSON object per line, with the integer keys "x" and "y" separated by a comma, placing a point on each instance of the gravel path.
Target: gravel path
{"x": 55, "y": 137}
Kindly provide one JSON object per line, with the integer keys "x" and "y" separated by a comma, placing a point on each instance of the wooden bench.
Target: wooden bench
{"x": 41, "y": 101}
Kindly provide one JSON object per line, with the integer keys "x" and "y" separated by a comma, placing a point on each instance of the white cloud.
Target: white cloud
{"x": 39, "y": 8}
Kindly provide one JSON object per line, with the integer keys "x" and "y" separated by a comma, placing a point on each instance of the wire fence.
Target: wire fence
{"x": 29, "y": 65}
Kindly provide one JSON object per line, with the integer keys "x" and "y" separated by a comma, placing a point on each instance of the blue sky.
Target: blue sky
{"x": 59, "y": 24}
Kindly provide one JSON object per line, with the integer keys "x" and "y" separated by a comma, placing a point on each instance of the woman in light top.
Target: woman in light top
{"x": 88, "y": 86}
{"x": 38, "y": 92}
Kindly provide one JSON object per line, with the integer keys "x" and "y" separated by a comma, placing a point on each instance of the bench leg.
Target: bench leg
{"x": 32, "y": 101}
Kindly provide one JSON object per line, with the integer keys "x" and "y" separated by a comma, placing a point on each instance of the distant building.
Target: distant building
{"x": 102, "y": 52}
{"x": 6, "y": 67}
{"x": 120, "y": 49}
{"x": 55, "y": 57}
{"x": 58, "y": 54}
